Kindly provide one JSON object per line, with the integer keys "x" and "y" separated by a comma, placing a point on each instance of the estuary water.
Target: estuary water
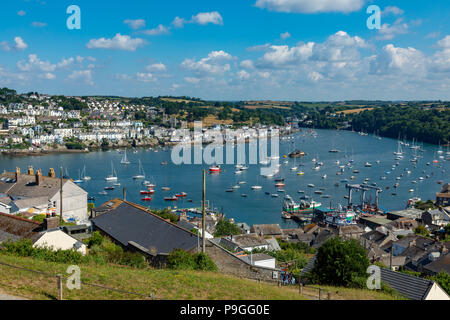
{"x": 257, "y": 206}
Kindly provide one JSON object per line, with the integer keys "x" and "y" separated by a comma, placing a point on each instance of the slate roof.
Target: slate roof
{"x": 26, "y": 186}
{"x": 414, "y": 288}
{"x": 257, "y": 257}
{"x": 249, "y": 240}
{"x": 15, "y": 228}
{"x": 439, "y": 265}
{"x": 129, "y": 222}
{"x": 267, "y": 229}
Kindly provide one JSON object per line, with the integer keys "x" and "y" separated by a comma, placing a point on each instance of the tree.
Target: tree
{"x": 226, "y": 228}
{"x": 341, "y": 263}
{"x": 421, "y": 230}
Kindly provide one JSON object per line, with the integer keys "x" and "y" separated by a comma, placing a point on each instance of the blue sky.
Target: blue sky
{"x": 309, "y": 50}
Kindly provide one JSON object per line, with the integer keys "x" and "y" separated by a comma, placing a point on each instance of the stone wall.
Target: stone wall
{"x": 230, "y": 264}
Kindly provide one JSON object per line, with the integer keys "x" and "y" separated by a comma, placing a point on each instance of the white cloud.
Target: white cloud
{"x": 247, "y": 64}
{"x": 202, "y": 18}
{"x": 398, "y": 61}
{"x": 135, "y": 24}
{"x": 48, "y": 76}
{"x": 243, "y": 75}
{"x": 192, "y": 80}
{"x": 285, "y": 35}
{"x": 214, "y": 63}
{"x": 35, "y": 64}
{"x": 66, "y": 62}
{"x": 38, "y": 24}
{"x": 261, "y": 47}
{"x": 156, "y": 67}
{"x": 119, "y": 42}
{"x": 179, "y": 22}
{"x": 18, "y": 45}
{"x": 283, "y": 56}
{"x": 311, "y": 6}
{"x": 444, "y": 43}
{"x": 82, "y": 75}
{"x": 21, "y": 13}
{"x": 388, "y": 32}
{"x": 339, "y": 47}
{"x": 159, "y": 30}
{"x": 315, "y": 76}
{"x": 396, "y": 11}
{"x": 208, "y": 17}
{"x": 144, "y": 77}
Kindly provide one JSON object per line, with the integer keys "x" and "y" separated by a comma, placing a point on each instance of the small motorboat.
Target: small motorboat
{"x": 181, "y": 195}
{"x": 109, "y": 188}
{"x": 165, "y": 189}
{"x": 174, "y": 198}
{"x": 146, "y": 199}
{"x": 280, "y": 185}
{"x": 214, "y": 169}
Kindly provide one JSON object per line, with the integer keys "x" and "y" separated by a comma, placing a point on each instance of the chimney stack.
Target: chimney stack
{"x": 30, "y": 171}
{"x": 39, "y": 177}
{"x": 51, "y": 223}
{"x": 17, "y": 174}
{"x": 51, "y": 173}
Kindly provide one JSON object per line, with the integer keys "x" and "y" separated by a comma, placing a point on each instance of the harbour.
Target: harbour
{"x": 251, "y": 197}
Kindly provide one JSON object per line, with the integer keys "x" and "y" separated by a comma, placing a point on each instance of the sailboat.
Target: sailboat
{"x": 294, "y": 168}
{"x": 257, "y": 186}
{"x": 141, "y": 174}
{"x": 84, "y": 176}
{"x": 79, "y": 180}
{"x": 124, "y": 158}
{"x": 113, "y": 175}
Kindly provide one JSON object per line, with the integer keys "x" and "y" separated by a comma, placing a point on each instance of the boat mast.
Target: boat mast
{"x": 203, "y": 215}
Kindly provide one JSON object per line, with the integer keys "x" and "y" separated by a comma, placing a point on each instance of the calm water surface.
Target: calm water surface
{"x": 258, "y": 207}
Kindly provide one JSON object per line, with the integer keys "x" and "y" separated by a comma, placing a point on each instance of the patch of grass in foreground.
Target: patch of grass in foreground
{"x": 164, "y": 284}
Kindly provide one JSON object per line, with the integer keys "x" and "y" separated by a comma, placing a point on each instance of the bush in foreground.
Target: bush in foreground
{"x": 180, "y": 259}
{"x": 341, "y": 263}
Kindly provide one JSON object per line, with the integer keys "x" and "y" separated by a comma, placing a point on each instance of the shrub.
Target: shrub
{"x": 24, "y": 248}
{"x": 204, "y": 262}
{"x": 226, "y": 228}
{"x": 180, "y": 259}
{"x": 341, "y": 263}
{"x": 421, "y": 230}
{"x": 96, "y": 239}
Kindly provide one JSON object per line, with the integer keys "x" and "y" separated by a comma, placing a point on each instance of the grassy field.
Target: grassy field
{"x": 352, "y": 111}
{"x": 163, "y": 284}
